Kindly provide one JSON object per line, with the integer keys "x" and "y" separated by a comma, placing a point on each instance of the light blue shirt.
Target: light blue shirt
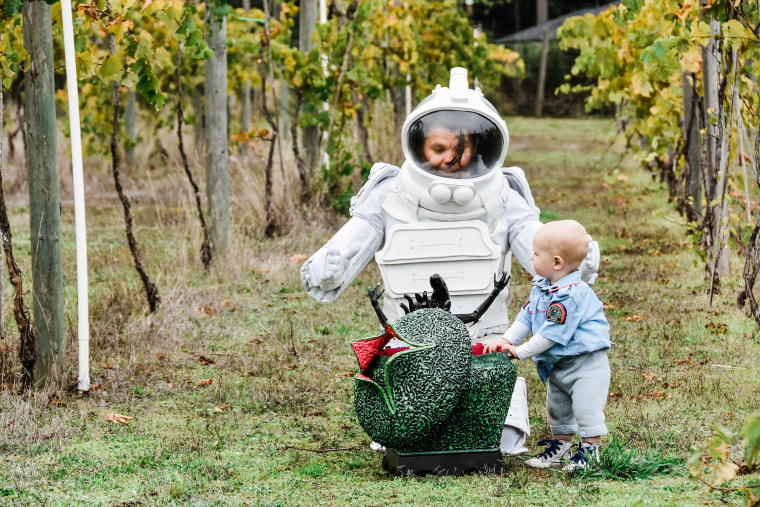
{"x": 568, "y": 313}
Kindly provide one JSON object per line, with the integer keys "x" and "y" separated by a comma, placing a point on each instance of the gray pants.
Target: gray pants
{"x": 577, "y": 394}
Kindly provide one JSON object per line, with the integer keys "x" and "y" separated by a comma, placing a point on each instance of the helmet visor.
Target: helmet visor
{"x": 455, "y": 144}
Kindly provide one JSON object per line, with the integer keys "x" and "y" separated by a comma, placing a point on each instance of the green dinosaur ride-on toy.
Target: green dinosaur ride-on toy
{"x": 437, "y": 406}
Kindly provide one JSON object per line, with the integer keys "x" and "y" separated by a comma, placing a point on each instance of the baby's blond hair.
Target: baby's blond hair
{"x": 569, "y": 238}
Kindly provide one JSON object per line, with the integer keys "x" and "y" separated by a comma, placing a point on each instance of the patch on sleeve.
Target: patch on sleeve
{"x": 526, "y": 303}
{"x": 556, "y": 313}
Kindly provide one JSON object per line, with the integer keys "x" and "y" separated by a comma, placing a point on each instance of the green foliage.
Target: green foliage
{"x": 711, "y": 461}
{"x": 372, "y": 47}
{"x": 637, "y": 52}
{"x": 639, "y": 55}
{"x": 619, "y": 463}
{"x": 11, "y": 8}
{"x": 282, "y": 390}
{"x": 147, "y": 37}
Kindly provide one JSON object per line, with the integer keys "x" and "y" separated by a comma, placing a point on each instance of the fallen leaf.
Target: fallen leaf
{"x": 206, "y": 310}
{"x": 718, "y": 327}
{"x": 634, "y": 318}
{"x": 298, "y": 258}
{"x": 226, "y": 304}
{"x": 622, "y": 177}
{"x": 221, "y": 409}
{"x": 55, "y": 400}
{"x": 206, "y": 382}
{"x": 118, "y": 418}
{"x": 203, "y": 361}
{"x": 347, "y": 374}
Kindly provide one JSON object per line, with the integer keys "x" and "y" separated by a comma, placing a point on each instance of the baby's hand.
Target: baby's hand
{"x": 499, "y": 345}
{"x": 512, "y": 350}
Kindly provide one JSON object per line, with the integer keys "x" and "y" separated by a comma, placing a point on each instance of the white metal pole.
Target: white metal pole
{"x": 325, "y": 105}
{"x": 83, "y": 328}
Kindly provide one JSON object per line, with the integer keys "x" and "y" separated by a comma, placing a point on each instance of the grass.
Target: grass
{"x": 240, "y": 386}
{"x": 621, "y": 463}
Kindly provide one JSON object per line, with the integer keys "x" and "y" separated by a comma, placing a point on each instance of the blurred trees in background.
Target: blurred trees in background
{"x": 683, "y": 78}
{"x": 644, "y": 58}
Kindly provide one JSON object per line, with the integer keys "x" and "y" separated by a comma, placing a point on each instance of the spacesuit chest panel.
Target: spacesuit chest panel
{"x": 466, "y": 253}
{"x": 463, "y": 253}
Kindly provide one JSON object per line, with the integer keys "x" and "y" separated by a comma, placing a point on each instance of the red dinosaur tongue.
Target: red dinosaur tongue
{"x": 366, "y": 350}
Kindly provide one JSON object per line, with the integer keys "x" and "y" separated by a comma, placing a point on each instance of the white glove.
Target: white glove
{"x": 328, "y": 267}
{"x": 590, "y": 264}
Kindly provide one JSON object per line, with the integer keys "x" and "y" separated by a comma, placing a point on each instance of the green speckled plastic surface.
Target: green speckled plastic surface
{"x": 435, "y": 396}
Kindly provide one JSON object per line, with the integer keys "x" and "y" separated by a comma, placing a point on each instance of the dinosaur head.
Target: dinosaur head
{"x": 418, "y": 387}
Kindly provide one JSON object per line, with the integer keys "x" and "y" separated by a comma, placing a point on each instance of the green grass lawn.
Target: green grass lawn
{"x": 240, "y": 388}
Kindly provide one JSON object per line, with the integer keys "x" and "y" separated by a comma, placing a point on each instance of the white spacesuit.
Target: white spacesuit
{"x": 451, "y": 209}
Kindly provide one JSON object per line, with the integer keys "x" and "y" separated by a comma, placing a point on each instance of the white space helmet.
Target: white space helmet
{"x": 455, "y": 132}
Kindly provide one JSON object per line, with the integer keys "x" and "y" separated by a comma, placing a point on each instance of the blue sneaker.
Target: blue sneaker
{"x": 554, "y": 456}
{"x": 585, "y": 453}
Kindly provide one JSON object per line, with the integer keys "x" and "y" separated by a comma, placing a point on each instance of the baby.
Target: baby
{"x": 569, "y": 344}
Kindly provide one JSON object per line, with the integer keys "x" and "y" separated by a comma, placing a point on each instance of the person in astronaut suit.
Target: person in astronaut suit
{"x": 451, "y": 209}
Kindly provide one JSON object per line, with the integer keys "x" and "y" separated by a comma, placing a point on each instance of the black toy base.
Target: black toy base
{"x": 458, "y": 463}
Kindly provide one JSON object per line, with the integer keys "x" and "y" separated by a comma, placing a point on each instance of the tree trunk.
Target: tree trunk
{"x": 245, "y": 107}
{"x": 542, "y": 73}
{"x": 718, "y": 258}
{"x": 199, "y": 124}
{"x": 692, "y": 149}
{"x": 44, "y": 201}
{"x": 308, "y": 17}
{"x": 542, "y": 11}
{"x": 130, "y": 126}
{"x": 217, "y": 155}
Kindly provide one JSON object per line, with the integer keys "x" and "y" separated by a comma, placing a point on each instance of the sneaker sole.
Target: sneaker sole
{"x": 545, "y": 465}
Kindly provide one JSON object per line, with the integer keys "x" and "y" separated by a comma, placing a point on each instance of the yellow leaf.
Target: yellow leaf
{"x": 298, "y": 258}
{"x": 724, "y": 472}
{"x": 84, "y": 64}
{"x": 736, "y": 33}
{"x": 692, "y": 59}
{"x": 118, "y": 418}
{"x": 175, "y": 10}
{"x": 701, "y": 32}
{"x": 641, "y": 85}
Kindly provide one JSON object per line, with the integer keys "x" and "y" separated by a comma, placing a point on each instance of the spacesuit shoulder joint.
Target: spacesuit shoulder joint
{"x": 379, "y": 172}
{"x": 519, "y": 183}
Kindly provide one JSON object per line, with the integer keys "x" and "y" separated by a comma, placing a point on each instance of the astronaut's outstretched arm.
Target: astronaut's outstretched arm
{"x": 590, "y": 265}
{"x": 522, "y": 245}
{"x": 326, "y": 273}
